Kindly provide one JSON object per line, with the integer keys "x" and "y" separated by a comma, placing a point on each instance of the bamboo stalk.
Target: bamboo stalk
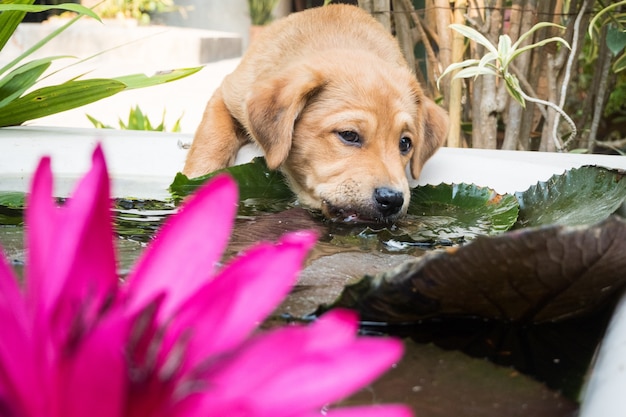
{"x": 456, "y": 93}
{"x": 425, "y": 34}
{"x": 403, "y": 31}
{"x": 443, "y": 17}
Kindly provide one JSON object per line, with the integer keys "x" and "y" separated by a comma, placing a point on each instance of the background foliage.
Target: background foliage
{"x": 20, "y": 98}
{"x": 588, "y": 82}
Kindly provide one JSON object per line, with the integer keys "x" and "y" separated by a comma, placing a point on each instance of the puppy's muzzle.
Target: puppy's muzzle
{"x": 388, "y": 201}
{"x": 384, "y": 206}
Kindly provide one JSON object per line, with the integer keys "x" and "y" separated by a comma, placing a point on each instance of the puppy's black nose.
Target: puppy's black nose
{"x": 388, "y": 201}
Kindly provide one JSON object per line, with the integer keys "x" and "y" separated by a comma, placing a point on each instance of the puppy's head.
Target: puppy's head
{"x": 343, "y": 129}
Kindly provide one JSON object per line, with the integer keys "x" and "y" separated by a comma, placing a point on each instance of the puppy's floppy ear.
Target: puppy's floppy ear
{"x": 274, "y": 106}
{"x": 435, "y": 131}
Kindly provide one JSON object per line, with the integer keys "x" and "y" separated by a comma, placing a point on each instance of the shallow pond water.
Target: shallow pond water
{"x": 452, "y": 367}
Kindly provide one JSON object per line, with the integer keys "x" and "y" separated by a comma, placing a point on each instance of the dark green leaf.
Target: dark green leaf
{"x": 9, "y": 20}
{"x": 21, "y": 79}
{"x": 527, "y": 276}
{"x": 583, "y": 195}
{"x": 255, "y": 181}
{"x": 58, "y": 98}
{"x": 615, "y": 39}
{"x": 30, "y": 8}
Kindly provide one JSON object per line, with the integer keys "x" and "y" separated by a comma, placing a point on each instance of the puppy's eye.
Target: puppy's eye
{"x": 350, "y": 138}
{"x": 405, "y": 145}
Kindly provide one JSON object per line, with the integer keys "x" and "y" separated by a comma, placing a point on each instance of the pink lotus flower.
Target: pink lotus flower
{"x": 176, "y": 339}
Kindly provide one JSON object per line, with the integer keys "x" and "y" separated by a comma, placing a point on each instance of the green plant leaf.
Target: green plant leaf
{"x": 615, "y": 39}
{"x": 31, "y": 8}
{"x": 601, "y": 13}
{"x": 475, "y": 72}
{"x": 504, "y": 45}
{"x": 58, "y": 98}
{"x": 456, "y": 66}
{"x": 255, "y": 180}
{"x": 21, "y": 79}
{"x": 581, "y": 196}
{"x": 9, "y": 20}
{"x": 513, "y": 88}
{"x": 176, "y": 127}
{"x": 97, "y": 123}
{"x": 475, "y": 36}
{"x": 620, "y": 63}
{"x": 137, "y": 121}
{"x": 38, "y": 45}
{"x": 519, "y": 51}
{"x": 487, "y": 58}
{"x": 162, "y": 77}
{"x": 532, "y": 30}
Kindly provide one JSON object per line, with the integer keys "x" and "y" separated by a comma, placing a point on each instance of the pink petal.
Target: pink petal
{"x": 93, "y": 376}
{"x": 223, "y": 312}
{"x": 18, "y": 373}
{"x": 40, "y": 216}
{"x": 292, "y": 371}
{"x": 336, "y": 329}
{"x": 232, "y": 384}
{"x": 331, "y": 372}
{"x": 71, "y": 258}
{"x": 186, "y": 250}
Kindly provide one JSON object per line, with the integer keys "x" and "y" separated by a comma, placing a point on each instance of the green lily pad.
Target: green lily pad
{"x": 12, "y": 207}
{"x": 438, "y": 215}
{"x": 441, "y": 215}
{"x": 461, "y": 211}
{"x": 580, "y": 196}
{"x": 531, "y": 275}
{"x": 139, "y": 219}
{"x": 258, "y": 186}
{"x": 12, "y": 199}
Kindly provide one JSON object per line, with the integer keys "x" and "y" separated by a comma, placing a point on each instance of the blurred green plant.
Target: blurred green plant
{"x": 20, "y": 101}
{"x": 497, "y": 62}
{"x": 615, "y": 19}
{"x": 140, "y": 10}
{"x": 261, "y": 11}
{"x": 138, "y": 120}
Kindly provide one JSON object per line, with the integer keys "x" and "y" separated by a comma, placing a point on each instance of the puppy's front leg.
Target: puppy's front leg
{"x": 216, "y": 142}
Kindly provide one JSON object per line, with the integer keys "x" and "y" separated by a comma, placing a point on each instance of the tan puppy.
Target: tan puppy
{"x": 328, "y": 96}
